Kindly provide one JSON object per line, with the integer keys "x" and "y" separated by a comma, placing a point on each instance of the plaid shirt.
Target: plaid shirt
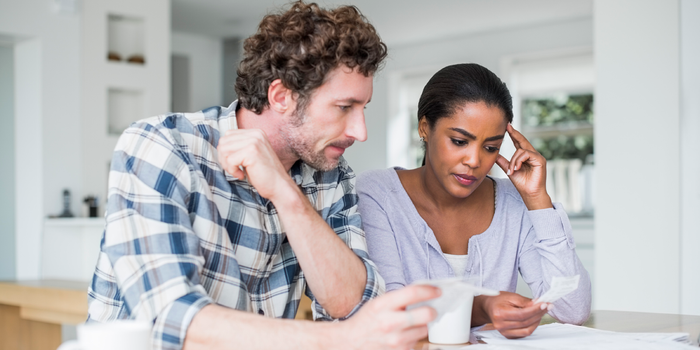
{"x": 181, "y": 233}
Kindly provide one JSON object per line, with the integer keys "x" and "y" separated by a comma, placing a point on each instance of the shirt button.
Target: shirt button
{"x": 260, "y": 312}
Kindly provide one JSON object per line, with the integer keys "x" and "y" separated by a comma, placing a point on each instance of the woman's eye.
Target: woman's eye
{"x": 492, "y": 149}
{"x": 459, "y": 142}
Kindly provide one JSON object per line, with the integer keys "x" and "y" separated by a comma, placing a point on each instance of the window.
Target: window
{"x": 554, "y": 108}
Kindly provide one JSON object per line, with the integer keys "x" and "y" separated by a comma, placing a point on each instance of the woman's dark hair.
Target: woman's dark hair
{"x": 453, "y": 86}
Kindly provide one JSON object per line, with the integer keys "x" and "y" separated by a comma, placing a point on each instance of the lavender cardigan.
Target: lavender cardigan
{"x": 538, "y": 243}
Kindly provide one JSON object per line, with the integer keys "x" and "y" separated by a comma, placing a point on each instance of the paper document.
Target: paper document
{"x": 569, "y": 337}
{"x": 559, "y": 287}
{"x": 454, "y": 290}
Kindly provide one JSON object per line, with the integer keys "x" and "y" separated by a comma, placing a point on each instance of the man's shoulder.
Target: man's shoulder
{"x": 191, "y": 122}
{"x": 190, "y": 131}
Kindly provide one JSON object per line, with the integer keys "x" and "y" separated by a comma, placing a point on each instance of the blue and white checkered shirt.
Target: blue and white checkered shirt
{"x": 181, "y": 233}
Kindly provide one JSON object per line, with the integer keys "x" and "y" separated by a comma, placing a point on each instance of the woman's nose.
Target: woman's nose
{"x": 471, "y": 158}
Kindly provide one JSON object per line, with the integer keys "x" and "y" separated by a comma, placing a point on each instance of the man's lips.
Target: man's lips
{"x": 341, "y": 146}
{"x": 465, "y": 179}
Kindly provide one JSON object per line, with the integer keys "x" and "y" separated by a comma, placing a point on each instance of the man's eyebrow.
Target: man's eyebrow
{"x": 351, "y": 100}
{"x": 469, "y": 135}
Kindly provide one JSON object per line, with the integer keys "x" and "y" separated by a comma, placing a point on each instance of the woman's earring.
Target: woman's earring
{"x": 422, "y": 139}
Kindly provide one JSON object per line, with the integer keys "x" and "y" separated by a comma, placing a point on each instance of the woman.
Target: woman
{"x": 449, "y": 218}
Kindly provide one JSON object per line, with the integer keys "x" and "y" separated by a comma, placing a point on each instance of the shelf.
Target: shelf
{"x": 74, "y": 222}
{"x": 124, "y": 107}
{"x": 565, "y": 129}
{"x": 125, "y": 39}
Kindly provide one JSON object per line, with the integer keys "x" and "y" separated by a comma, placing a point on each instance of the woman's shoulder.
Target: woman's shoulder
{"x": 377, "y": 180}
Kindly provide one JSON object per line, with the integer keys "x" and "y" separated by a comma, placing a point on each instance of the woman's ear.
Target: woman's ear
{"x": 423, "y": 128}
{"x": 280, "y": 97}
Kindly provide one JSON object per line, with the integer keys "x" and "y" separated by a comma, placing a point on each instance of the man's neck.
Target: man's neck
{"x": 269, "y": 122}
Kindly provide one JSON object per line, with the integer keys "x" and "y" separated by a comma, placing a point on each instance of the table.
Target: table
{"x": 618, "y": 321}
{"x": 31, "y": 312}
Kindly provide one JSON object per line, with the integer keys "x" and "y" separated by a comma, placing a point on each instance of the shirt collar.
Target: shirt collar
{"x": 227, "y": 120}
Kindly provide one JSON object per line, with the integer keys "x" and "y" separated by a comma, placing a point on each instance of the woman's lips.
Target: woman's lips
{"x": 465, "y": 180}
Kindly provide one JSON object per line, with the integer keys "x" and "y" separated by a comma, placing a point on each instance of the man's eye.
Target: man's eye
{"x": 344, "y": 108}
{"x": 459, "y": 142}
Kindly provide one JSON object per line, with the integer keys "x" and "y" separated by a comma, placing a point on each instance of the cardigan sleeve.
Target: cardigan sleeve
{"x": 547, "y": 251}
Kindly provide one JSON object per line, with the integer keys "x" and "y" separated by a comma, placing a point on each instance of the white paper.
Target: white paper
{"x": 558, "y": 336}
{"x": 559, "y": 287}
{"x": 454, "y": 290}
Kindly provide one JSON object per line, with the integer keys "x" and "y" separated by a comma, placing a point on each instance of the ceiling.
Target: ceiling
{"x": 398, "y": 22}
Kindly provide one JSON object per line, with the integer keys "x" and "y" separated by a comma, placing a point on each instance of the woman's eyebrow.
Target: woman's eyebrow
{"x": 469, "y": 135}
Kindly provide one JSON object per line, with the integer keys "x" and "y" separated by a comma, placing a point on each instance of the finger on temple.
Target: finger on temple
{"x": 513, "y": 137}
{"x": 516, "y": 136}
{"x": 399, "y": 299}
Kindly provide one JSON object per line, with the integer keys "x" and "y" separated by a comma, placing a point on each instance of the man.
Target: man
{"x": 220, "y": 217}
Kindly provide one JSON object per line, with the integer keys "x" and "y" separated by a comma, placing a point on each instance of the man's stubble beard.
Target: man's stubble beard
{"x": 298, "y": 138}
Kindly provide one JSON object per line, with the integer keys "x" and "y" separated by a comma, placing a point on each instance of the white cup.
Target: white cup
{"x": 113, "y": 335}
{"x": 453, "y": 327}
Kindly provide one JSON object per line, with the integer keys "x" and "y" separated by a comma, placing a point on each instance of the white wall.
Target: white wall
{"x": 487, "y": 49}
{"x": 638, "y": 143}
{"x": 205, "y": 55}
{"x": 48, "y": 115}
{"x": 690, "y": 167}
{"x": 7, "y": 159}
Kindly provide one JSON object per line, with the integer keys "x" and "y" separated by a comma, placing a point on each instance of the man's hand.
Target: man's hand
{"x": 250, "y": 149}
{"x": 384, "y": 323}
{"x": 513, "y": 315}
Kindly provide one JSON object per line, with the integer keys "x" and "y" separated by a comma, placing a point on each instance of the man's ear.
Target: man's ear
{"x": 280, "y": 97}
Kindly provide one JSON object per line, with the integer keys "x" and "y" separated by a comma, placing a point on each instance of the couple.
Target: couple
{"x": 219, "y": 217}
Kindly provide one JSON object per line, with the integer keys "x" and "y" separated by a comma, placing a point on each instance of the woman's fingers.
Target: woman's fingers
{"x": 519, "y": 141}
{"x": 503, "y": 163}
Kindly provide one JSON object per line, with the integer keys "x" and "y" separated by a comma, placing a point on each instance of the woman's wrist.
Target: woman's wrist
{"x": 538, "y": 201}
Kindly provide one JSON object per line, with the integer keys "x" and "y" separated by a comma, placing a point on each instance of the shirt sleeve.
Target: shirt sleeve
{"x": 148, "y": 239}
{"x": 549, "y": 251}
{"x": 381, "y": 239}
{"x": 344, "y": 218}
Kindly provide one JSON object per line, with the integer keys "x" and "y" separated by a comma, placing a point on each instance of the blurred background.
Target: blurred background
{"x": 608, "y": 91}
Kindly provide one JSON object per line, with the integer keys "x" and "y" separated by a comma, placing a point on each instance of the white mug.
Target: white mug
{"x": 453, "y": 327}
{"x": 113, "y": 335}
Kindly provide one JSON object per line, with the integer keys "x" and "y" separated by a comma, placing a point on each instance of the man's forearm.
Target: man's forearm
{"x": 218, "y": 327}
{"x": 334, "y": 273}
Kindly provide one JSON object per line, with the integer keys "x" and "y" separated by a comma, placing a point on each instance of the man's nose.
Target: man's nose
{"x": 356, "y": 128}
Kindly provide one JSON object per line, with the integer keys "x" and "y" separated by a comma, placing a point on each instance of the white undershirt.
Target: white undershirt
{"x": 458, "y": 263}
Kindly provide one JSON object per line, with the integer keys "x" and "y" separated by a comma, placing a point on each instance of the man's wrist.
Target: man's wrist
{"x": 286, "y": 195}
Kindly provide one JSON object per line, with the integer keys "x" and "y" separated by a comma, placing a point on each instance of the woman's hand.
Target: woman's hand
{"x": 527, "y": 169}
{"x": 513, "y": 315}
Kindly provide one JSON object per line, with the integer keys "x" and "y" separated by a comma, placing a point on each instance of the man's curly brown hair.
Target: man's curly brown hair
{"x": 300, "y": 47}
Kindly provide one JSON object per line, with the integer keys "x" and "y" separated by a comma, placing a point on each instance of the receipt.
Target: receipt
{"x": 454, "y": 293}
{"x": 559, "y": 287}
